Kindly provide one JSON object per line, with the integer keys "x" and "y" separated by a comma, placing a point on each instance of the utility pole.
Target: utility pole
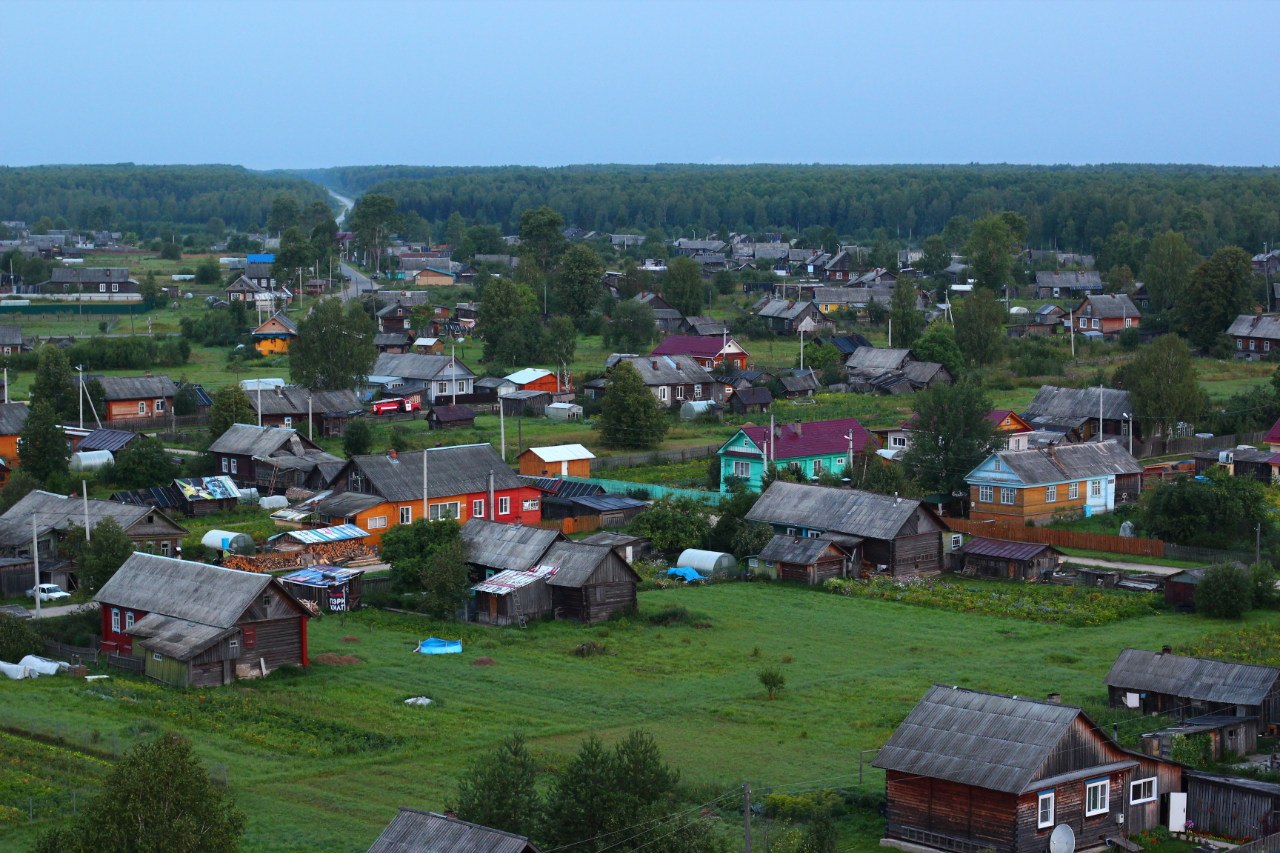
{"x": 35, "y": 558}
{"x": 1257, "y": 543}
{"x": 79, "y": 389}
{"x": 502, "y": 429}
{"x": 746, "y": 817}
{"x": 426, "y": 509}
{"x": 1071, "y": 330}
{"x": 1099, "y": 411}
{"x": 84, "y": 490}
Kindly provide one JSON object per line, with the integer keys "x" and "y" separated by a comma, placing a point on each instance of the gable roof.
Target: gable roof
{"x": 182, "y": 589}
{"x": 665, "y": 369}
{"x": 456, "y": 470}
{"x": 700, "y": 346}
{"x": 982, "y": 739}
{"x": 818, "y": 438}
{"x": 506, "y": 546}
{"x": 1110, "y": 306}
{"x": 527, "y": 375}
{"x": 413, "y": 831}
{"x": 981, "y": 546}
{"x": 576, "y": 562}
{"x": 561, "y": 453}
{"x": 785, "y": 309}
{"x": 753, "y": 396}
{"x": 1067, "y": 408}
{"x": 261, "y": 441}
{"x": 137, "y": 387}
{"x": 999, "y": 416}
{"x": 846, "y": 344}
{"x": 293, "y": 400}
{"x": 1192, "y": 678}
{"x": 106, "y": 439}
{"x": 418, "y": 366}
{"x": 1075, "y": 280}
{"x": 59, "y": 512}
{"x": 282, "y": 319}
{"x": 10, "y": 335}
{"x": 1040, "y": 465}
{"x": 1256, "y": 326}
{"x": 13, "y": 417}
{"x": 850, "y": 511}
{"x": 801, "y": 550}
{"x": 871, "y": 358}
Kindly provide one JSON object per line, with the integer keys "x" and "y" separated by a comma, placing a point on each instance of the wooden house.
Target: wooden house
{"x": 93, "y": 284}
{"x": 413, "y": 831}
{"x": 132, "y": 397}
{"x": 245, "y": 290}
{"x": 1000, "y": 558}
{"x": 564, "y": 460}
{"x": 430, "y": 277}
{"x": 1062, "y": 284}
{"x": 1011, "y": 430}
{"x": 440, "y": 376}
{"x": 747, "y": 400}
{"x": 1180, "y": 588}
{"x": 968, "y": 771}
{"x": 707, "y": 351}
{"x": 526, "y": 403}
{"x": 513, "y": 597}
{"x": 666, "y": 318}
{"x": 324, "y": 413}
{"x": 839, "y": 268}
{"x": 535, "y": 379}
{"x": 815, "y": 448}
{"x": 1225, "y": 734}
{"x": 451, "y": 417}
{"x": 1041, "y": 484}
{"x": 275, "y": 335}
{"x": 1232, "y": 806}
{"x": 807, "y": 560}
{"x": 898, "y": 536}
{"x": 392, "y": 342}
{"x": 1255, "y": 335}
{"x": 1109, "y": 314}
{"x": 672, "y": 379}
{"x": 1165, "y": 683}
{"x": 428, "y": 346}
{"x": 271, "y": 459}
{"x": 493, "y": 547}
{"x": 785, "y": 317}
{"x": 12, "y": 341}
{"x": 1078, "y": 412}
{"x": 195, "y": 625}
{"x": 13, "y": 417}
{"x": 589, "y": 583}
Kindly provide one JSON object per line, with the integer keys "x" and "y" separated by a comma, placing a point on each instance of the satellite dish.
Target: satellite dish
{"x": 1063, "y": 839}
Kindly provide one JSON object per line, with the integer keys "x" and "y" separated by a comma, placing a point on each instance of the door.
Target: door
{"x": 1177, "y": 812}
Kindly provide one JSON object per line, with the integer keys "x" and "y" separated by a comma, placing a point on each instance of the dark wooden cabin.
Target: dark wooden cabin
{"x": 1226, "y": 734}
{"x": 1000, "y": 558}
{"x": 810, "y": 561}
{"x": 898, "y": 536}
{"x": 1180, "y": 588}
{"x": 969, "y": 771}
{"x": 1232, "y": 806}
{"x": 591, "y": 582}
{"x": 1165, "y": 683}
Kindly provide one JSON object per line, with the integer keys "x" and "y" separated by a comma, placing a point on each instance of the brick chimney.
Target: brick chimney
{"x": 393, "y": 456}
{"x": 799, "y": 427}
{"x": 1055, "y": 698}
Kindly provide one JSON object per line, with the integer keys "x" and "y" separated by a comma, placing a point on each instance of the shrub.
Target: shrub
{"x": 772, "y": 680}
{"x": 1225, "y": 592}
{"x": 17, "y": 639}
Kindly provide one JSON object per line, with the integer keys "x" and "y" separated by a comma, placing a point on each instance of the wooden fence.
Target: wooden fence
{"x": 126, "y": 662}
{"x": 1062, "y": 538}
{"x": 166, "y": 424}
{"x": 62, "y": 651}
{"x": 569, "y": 526}
{"x": 1270, "y": 844}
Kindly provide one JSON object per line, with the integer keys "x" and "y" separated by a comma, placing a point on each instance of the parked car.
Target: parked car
{"x": 397, "y": 404}
{"x": 49, "y": 592}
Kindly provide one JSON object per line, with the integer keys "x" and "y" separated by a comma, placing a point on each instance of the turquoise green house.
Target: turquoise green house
{"x": 817, "y": 448}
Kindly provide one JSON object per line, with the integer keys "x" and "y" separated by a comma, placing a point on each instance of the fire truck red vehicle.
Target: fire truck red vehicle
{"x": 397, "y": 404}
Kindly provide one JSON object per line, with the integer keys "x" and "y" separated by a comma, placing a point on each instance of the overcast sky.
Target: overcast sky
{"x": 481, "y": 82}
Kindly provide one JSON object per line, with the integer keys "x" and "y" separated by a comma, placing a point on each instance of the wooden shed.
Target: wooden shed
{"x": 590, "y": 582}
{"x": 1232, "y": 806}
{"x": 561, "y": 460}
{"x": 513, "y": 597}
{"x": 799, "y": 558}
{"x": 1226, "y": 734}
{"x": 1001, "y": 558}
{"x": 1180, "y": 588}
{"x": 451, "y": 417}
{"x": 1165, "y": 683}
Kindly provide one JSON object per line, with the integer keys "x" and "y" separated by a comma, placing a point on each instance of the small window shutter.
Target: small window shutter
{"x": 250, "y": 635}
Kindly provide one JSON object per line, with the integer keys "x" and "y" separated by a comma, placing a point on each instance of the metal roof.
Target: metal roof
{"x": 13, "y": 417}
{"x": 456, "y": 470}
{"x": 800, "y": 550}
{"x": 1064, "y": 462}
{"x": 512, "y": 579}
{"x": 608, "y": 503}
{"x": 871, "y": 358}
{"x": 99, "y": 439}
{"x": 527, "y": 375}
{"x": 181, "y": 639}
{"x": 318, "y": 535}
{"x": 1255, "y": 326}
{"x": 665, "y": 369}
{"x": 413, "y": 831}
{"x": 850, "y": 511}
{"x": 1069, "y": 407}
{"x": 260, "y": 441}
{"x": 417, "y": 366}
{"x": 982, "y": 739}
{"x": 296, "y": 401}
{"x": 701, "y": 346}
{"x": 561, "y": 453}
{"x": 1004, "y": 549}
{"x": 137, "y": 387}
{"x": 322, "y": 576}
{"x": 574, "y": 562}
{"x": 1201, "y": 679}
{"x": 59, "y": 512}
{"x": 817, "y": 438}
{"x": 506, "y": 546}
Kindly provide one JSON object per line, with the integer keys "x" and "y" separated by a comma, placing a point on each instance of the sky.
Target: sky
{"x": 281, "y": 84}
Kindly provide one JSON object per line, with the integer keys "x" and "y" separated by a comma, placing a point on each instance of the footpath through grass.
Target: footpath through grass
{"x": 320, "y": 760}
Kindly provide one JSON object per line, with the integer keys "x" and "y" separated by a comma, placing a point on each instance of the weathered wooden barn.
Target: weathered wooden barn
{"x": 970, "y": 771}
{"x": 413, "y": 831}
{"x": 898, "y": 536}
{"x": 1232, "y": 806}
{"x": 1000, "y": 558}
{"x": 591, "y": 582}
{"x": 196, "y": 625}
{"x": 493, "y": 547}
{"x": 512, "y": 597}
{"x": 1165, "y": 683}
{"x": 811, "y": 561}
{"x": 1224, "y": 734}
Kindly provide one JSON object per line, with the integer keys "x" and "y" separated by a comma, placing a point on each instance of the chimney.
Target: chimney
{"x": 1166, "y": 650}
{"x": 654, "y": 364}
{"x": 391, "y": 454}
{"x": 279, "y": 390}
{"x": 896, "y": 500}
{"x": 1054, "y": 698}
{"x": 799, "y": 428}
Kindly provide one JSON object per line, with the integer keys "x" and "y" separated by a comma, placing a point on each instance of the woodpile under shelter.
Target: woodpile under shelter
{"x": 1001, "y": 558}
{"x": 1165, "y": 683}
{"x": 968, "y": 771}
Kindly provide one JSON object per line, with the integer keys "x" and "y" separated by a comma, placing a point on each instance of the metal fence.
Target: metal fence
{"x": 622, "y": 487}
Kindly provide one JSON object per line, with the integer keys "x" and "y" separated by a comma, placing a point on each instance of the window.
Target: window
{"x": 442, "y": 511}
{"x": 1044, "y": 810}
{"x": 662, "y": 393}
{"x": 164, "y": 549}
{"x": 791, "y": 531}
{"x": 1073, "y": 492}
{"x": 1008, "y": 496}
{"x": 1084, "y": 324}
{"x": 679, "y": 392}
{"x": 102, "y": 287}
{"x": 1252, "y": 344}
{"x": 142, "y": 407}
{"x": 817, "y": 467}
{"x": 159, "y": 405}
{"x": 128, "y": 619}
{"x": 957, "y": 540}
{"x": 840, "y": 464}
{"x": 984, "y": 494}
{"x": 504, "y": 506}
{"x": 1097, "y": 796}
{"x": 233, "y": 647}
{"x": 224, "y": 464}
{"x": 266, "y": 600}
{"x": 995, "y": 464}
{"x": 697, "y": 392}
{"x": 442, "y": 387}
{"x": 377, "y": 522}
{"x": 406, "y": 515}
{"x": 157, "y": 657}
{"x": 741, "y": 469}
{"x": 288, "y": 422}
{"x": 897, "y": 441}
{"x": 1050, "y": 494}
{"x": 529, "y": 505}
{"x": 234, "y": 465}
{"x": 1095, "y": 488}
{"x": 1095, "y": 322}
{"x": 477, "y": 509}
{"x": 1128, "y": 322}
{"x": 115, "y": 620}
{"x": 1142, "y": 791}
{"x": 1239, "y": 343}
{"x": 115, "y": 287}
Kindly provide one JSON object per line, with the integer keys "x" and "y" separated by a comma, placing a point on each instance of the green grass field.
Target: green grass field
{"x": 321, "y": 760}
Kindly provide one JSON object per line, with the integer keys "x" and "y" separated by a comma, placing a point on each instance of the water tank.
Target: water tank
{"x": 91, "y": 460}
{"x": 707, "y": 563}
{"x": 226, "y": 540}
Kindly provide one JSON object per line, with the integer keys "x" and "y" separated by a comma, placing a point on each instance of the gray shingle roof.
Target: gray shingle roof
{"x": 1113, "y": 305}
{"x": 871, "y": 358}
{"x": 1082, "y": 280}
{"x": 59, "y": 512}
{"x": 1069, "y": 407}
{"x": 13, "y": 417}
{"x": 457, "y": 470}
{"x": 183, "y": 589}
{"x": 1069, "y": 461}
{"x": 850, "y": 511}
{"x": 292, "y": 400}
{"x": 980, "y": 739}
{"x": 801, "y": 550}
{"x": 137, "y": 387}
{"x": 783, "y": 308}
{"x": 250, "y": 440}
{"x": 506, "y": 546}
{"x": 1192, "y": 678}
{"x": 416, "y": 366}
{"x": 667, "y": 369}
{"x": 413, "y": 831}
{"x": 10, "y": 336}
{"x": 1256, "y": 326}
{"x": 574, "y": 562}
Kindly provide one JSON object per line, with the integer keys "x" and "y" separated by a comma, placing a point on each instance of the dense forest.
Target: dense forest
{"x": 1070, "y": 208}
{"x": 147, "y": 200}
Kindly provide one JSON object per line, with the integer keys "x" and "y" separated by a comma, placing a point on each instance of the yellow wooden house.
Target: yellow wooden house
{"x": 274, "y": 336}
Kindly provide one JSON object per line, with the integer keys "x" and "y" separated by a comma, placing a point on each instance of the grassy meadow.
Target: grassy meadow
{"x": 337, "y": 740}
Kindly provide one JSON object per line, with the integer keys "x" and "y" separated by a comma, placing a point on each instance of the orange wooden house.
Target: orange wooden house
{"x": 563, "y": 460}
{"x": 274, "y": 336}
{"x": 537, "y": 379}
{"x": 131, "y": 397}
{"x": 1010, "y": 428}
{"x": 13, "y": 417}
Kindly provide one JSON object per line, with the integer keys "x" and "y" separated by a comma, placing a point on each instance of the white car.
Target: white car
{"x": 49, "y": 592}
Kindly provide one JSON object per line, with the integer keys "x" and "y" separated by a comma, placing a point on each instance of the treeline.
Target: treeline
{"x": 1065, "y": 207}
{"x": 136, "y": 352}
{"x": 147, "y": 200}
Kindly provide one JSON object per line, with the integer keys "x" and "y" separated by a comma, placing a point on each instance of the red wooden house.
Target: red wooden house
{"x": 196, "y": 625}
{"x": 707, "y": 351}
{"x": 1108, "y": 314}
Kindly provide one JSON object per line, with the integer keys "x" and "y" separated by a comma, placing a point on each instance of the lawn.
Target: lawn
{"x": 338, "y": 739}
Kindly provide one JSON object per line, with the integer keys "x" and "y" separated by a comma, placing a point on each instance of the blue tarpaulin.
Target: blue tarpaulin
{"x": 435, "y": 646}
{"x": 689, "y": 575}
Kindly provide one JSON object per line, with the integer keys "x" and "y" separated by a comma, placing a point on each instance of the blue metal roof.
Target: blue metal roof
{"x": 608, "y": 503}
{"x": 339, "y": 533}
{"x": 263, "y": 258}
{"x": 322, "y": 576}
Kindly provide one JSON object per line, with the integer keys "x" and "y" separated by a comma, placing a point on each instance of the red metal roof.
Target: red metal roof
{"x": 1273, "y": 437}
{"x": 1004, "y": 549}
{"x": 700, "y": 346}
{"x": 813, "y": 439}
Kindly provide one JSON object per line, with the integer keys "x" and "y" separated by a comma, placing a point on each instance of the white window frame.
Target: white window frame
{"x": 1095, "y": 323}
{"x": 477, "y": 509}
{"x": 817, "y": 467}
{"x": 157, "y": 657}
{"x": 897, "y": 441}
{"x": 234, "y": 465}
{"x": 840, "y": 464}
{"x": 1143, "y": 791}
{"x": 1044, "y": 816}
{"x": 160, "y": 405}
{"x": 529, "y": 505}
{"x": 986, "y": 494}
{"x": 115, "y": 287}
{"x": 439, "y": 512}
{"x": 1095, "y": 488}
{"x": 1051, "y": 494}
{"x": 1253, "y": 345}
{"x": 679, "y": 392}
{"x": 224, "y": 464}
{"x": 377, "y": 522}
{"x": 288, "y": 422}
{"x": 406, "y": 515}
{"x": 128, "y": 619}
{"x": 1239, "y": 343}
{"x": 1266, "y": 346}
{"x": 957, "y": 540}
{"x": 115, "y": 618}
{"x": 102, "y": 287}
{"x": 1101, "y": 787}
{"x": 1073, "y": 491}
{"x": 1008, "y": 496}
{"x": 442, "y": 387}
{"x": 233, "y": 647}
{"x": 164, "y": 548}
{"x": 741, "y": 469}
{"x": 142, "y": 407}
{"x": 504, "y": 506}
{"x": 662, "y": 393}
